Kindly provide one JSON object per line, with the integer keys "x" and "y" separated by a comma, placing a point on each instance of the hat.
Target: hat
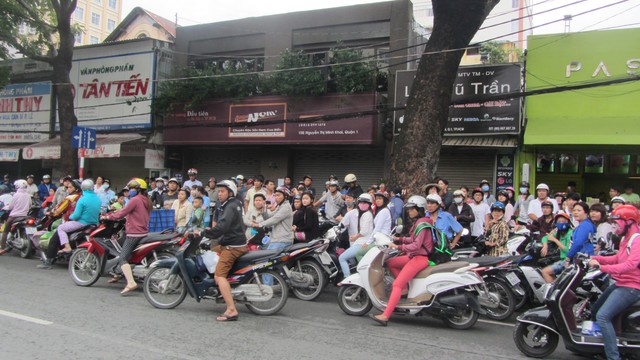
{"x": 434, "y": 198}
{"x": 546, "y": 203}
{"x": 250, "y": 182}
{"x": 46, "y": 177}
{"x": 66, "y": 177}
{"x": 160, "y": 180}
{"x": 30, "y": 176}
{"x": 542, "y": 186}
{"x": 6, "y": 176}
{"x": 485, "y": 182}
{"x": 334, "y": 183}
{"x": 619, "y": 199}
{"x": 175, "y": 181}
{"x": 239, "y": 177}
{"x": 106, "y": 180}
{"x": 307, "y": 176}
{"x": 429, "y": 186}
{"x": 333, "y": 177}
{"x": 458, "y": 193}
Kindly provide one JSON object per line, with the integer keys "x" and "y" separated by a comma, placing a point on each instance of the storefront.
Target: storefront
{"x": 589, "y": 136}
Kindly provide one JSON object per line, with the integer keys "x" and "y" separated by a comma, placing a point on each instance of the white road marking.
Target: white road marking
{"x": 25, "y": 318}
{"x": 496, "y": 323}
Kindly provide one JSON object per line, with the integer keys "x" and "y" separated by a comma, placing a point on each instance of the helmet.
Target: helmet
{"x": 87, "y": 184}
{"x": 542, "y": 186}
{"x": 416, "y": 201}
{"x": 230, "y": 185}
{"x": 365, "y": 198}
{"x": 625, "y": 212}
{"x": 458, "y": 193}
{"x": 239, "y": 177}
{"x": 381, "y": 193}
{"x": 137, "y": 183}
{"x": 192, "y": 171}
{"x": 350, "y": 178}
{"x": 434, "y": 198}
{"x": 284, "y": 190}
{"x": 429, "y": 186}
{"x": 562, "y": 214}
{"x": 510, "y": 188}
{"x": 333, "y": 183}
{"x": 46, "y": 177}
{"x": 485, "y": 182}
{"x": 559, "y": 194}
{"x": 497, "y": 206}
{"x": 20, "y": 184}
{"x": 619, "y": 199}
{"x": 76, "y": 184}
{"x": 546, "y": 203}
{"x": 477, "y": 190}
{"x": 524, "y": 184}
{"x": 503, "y": 193}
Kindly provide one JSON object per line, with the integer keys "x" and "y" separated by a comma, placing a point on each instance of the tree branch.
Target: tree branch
{"x": 35, "y": 16}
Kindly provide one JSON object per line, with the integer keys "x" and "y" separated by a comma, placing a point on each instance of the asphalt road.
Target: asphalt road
{"x": 44, "y": 315}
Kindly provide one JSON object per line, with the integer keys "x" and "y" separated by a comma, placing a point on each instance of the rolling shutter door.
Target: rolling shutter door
{"x": 366, "y": 164}
{"x": 466, "y": 168}
{"x": 224, "y": 163}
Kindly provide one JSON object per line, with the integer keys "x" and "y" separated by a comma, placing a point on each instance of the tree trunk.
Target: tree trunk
{"x": 61, "y": 67}
{"x": 416, "y": 151}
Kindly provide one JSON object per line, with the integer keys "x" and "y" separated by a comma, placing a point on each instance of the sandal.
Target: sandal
{"x": 128, "y": 289}
{"x": 114, "y": 279}
{"x": 225, "y": 317}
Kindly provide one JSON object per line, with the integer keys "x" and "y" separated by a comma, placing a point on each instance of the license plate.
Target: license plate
{"x": 513, "y": 279}
{"x": 30, "y": 230}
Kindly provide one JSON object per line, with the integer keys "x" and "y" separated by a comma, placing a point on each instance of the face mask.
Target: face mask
{"x": 132, "y": 193}
{"x": 485, "y": 187}
{"x": 350, "y": 203}
{"x": 458, "y": 200}
{"x": 562, "y": 226}
{"x": 523, "y": 190}
{"x": 105, "y": 187}
{"x": 363, "y": 206}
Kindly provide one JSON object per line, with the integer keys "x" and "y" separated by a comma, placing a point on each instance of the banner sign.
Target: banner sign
{"x": 10, "y": 155}
{"x": 474, "y": 113}
{"x": 114, "y": 92}
{"x": 505, "y": 171}
{"x": 24, "y": 108}
{"x": 261, "y": 120}
{"x": 153, "y": 159}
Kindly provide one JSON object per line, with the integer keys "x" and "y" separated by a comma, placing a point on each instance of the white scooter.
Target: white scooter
{"x": 448, "y": 291}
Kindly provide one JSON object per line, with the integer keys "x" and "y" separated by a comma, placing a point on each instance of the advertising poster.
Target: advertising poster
{"x": 24, "y": 109}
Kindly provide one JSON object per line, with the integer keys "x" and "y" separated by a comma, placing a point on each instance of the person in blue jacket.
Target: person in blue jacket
{"x": 87, "y": 212}
{"x": 581, "y": 237}
{"x": 43, "y": 188}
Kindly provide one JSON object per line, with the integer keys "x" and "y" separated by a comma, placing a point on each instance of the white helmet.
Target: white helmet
{"x": 416, "y": 201}
{"x": 86, "y": 184}
{"x": 434, "y": 198}
{"x": 350, "y": 178}
{"x": 542, "y": 186}
{"x": 230, "y": 185}
{"x": 20, "y": 184}
{"x": 365, "y": 198}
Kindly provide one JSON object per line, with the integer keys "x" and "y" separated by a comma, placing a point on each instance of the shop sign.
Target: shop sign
{"x": 505, "y": 171}
{"x": 10, "y": 155}
{"x": 276, "y": 120}
{"x": 114, "y": 92}
{"x": 473, "y": 112}
{"x": 24, "y": 108}
{"x": 153, "y": 159}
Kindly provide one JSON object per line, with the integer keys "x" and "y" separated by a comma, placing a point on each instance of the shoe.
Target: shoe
{"x": 46, "y": 265}
{"x": 381, "y": 322}
{"x": 114, "y": 279}
{"x": 128, "y": 289}
{"x": 225, "y": 317}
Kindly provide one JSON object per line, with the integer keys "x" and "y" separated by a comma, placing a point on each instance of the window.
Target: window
{"x": 79, "y": 14}
{"x": 111, "y": 24}
{"x": 619, "y": 164}
{"x": 93, "y": 40}
{"x": 594, "y": 164}
{"x": 546, "y": 163}
{"x": 113, "y": 4}
{"x": 95, "y": 19}
{"x": 78, "y": 38}
{"x": 569, "y": 163}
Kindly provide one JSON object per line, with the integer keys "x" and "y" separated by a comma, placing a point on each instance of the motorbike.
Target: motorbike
{"x": 538, "y": 331}
{"x": 19, "y": 237}
{"x": 448, "y": 291}
{"x": 100, "y": 254}
{"x": 170, "y": 280}
{"x": 500, "y": 301}
{"x": 516, "y": 245}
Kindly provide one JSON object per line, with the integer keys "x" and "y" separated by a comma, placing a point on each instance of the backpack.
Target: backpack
{"x": 441, "y": 246}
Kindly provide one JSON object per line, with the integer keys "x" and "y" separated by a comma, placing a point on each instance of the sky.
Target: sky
{"x": 193, "y": 12}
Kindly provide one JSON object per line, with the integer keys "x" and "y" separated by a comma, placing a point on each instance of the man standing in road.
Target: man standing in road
{"x": 193, "y": 173}
{"x": 171, "y": 194}
{"x": 352, "y": 185}
{"x": 332, "y": 200}
{"x": 535, "y": 206}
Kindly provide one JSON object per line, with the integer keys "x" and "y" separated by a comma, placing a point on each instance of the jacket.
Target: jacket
{"x": 624, "y": 265}
{"x": 280, "y": 220}
{"x": 87, "y": 208}
{"x": 183, "y": 212}
{"x": 43, "y": 190}
{"x": 138, "y": 215}
{"x": 252, "y": 215}
{"x": 421, "y": 244}
{"x": 306, "y": 220}
{"x": 20, "y": 204}
{"x": 229, "y": 224}
{"x": 465, "y": 216}
{"x": 67, "y": 206}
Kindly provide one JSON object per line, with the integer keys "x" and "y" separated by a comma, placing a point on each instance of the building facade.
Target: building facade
{"x": 97, "y": 18}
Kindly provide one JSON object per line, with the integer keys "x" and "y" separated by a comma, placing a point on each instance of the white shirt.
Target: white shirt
{"x": 190, "y": 183}
{"x": 535, "y": 207}
{"x": 350, "y": 220}
{"x": 381, "y": 223}
{"x": 479, "y": 211}
{"x": 32, "y": 189}
{"x": 6, "y": 199}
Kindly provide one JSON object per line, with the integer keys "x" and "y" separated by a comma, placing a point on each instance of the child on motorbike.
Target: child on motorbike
{"x": 416, "y": 247}
{"x": 561, "y": 237}
{"x": 359, "y": 224}
{"x": 496, "y": 231}
{"x": 624, "y": 268}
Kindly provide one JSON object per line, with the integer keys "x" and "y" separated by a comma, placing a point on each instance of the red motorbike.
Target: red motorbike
{"x": 99, "y": 256}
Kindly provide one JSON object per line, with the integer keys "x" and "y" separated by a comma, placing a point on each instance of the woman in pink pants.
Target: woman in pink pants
{"x": 416, "y": 248}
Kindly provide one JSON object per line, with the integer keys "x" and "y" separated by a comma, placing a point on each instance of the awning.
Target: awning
{"x": 480, "y": 141}
{"x": 9, "y": 153}
{"x": 107, "y": 146}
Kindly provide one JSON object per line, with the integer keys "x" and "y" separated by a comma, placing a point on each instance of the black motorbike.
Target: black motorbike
{"x": 538, "y": 330}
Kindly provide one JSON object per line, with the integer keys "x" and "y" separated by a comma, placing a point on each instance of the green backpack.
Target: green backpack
{"x": 441, "y": 246}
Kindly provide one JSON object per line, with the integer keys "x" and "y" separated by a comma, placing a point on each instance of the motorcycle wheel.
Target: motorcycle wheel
{"x": 464, "y": 319}
{"x": 520, "y": 301}
{"x": 535, "y": 341}
{"x": 279, "y": 299}
{"x": 354, "y": 300}
{"x": 27, "y": 247}
{"x": 319, "y": 281}
{"x": 157, "y": 280}
{"x": 507, "y": 304}
{"x": 88, "y": 274}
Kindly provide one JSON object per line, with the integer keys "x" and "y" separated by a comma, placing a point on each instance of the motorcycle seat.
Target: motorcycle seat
{"x": 83, "y": 231}
{"x": 489, "y": 260}
{"x": 256, "y": 255}
{"x": 296, "y": 246}
{"x": 20, "y": 218}
{"x": 446, "y": 267}
{"x": 157, "y": 237}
